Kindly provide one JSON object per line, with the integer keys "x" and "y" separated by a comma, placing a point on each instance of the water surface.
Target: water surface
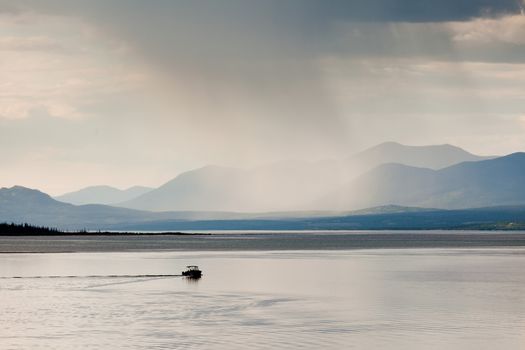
{"x": 363, "y": 299}
{"x": 242, "y": 241}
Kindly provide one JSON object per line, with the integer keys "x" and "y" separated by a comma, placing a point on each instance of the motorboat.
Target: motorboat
{"x": 192, "y": 271}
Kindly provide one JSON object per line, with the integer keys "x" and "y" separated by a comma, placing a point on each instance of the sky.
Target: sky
{"x": 129, "y": 92}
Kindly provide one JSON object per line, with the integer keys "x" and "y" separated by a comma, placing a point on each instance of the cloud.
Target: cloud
{"x": 299, "y": 11}
{"x": 15, "y": 109}
{"x": 21, "y": 108}
{"x": 37, "y": 43}
{"x": 53, "y": 66}
{"x": 484, "y": 31}
{"x": 412, "y": 10}
{"x": 521, "y": 121}
{"x": 479, "y": 40}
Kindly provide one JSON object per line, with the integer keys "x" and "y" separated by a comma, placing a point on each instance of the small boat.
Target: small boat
{"x": 192, "y": 271}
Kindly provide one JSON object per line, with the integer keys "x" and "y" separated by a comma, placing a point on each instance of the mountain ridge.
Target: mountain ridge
{"x": 22, "y": 205}
{"x": 284, "y": 187}
{"x": 102, "y": 194}
{"x": 491, "y": 182}
{"x": 426, "y": 156}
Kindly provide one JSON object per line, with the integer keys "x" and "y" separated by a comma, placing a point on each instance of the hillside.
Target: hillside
{"x": 22, "y": 205}
{"x": 491, "y": 182}
{"x": 431, "y": 157}
{"x": 19, "y": 204}
{"x": 286, "y": 186}
{"x": 102, "y": 195}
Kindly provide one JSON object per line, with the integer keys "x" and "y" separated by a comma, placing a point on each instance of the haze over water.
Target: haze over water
{"x": 305, "y": 299}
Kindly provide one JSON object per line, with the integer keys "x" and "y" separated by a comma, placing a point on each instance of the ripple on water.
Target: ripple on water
{"x": 372, "y": 300}
{"x": 53, "y": 314}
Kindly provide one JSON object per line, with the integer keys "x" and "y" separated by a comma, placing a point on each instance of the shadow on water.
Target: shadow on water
{"x": 192, "y": 280}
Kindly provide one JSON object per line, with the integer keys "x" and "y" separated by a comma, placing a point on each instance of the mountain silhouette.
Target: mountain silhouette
{"x": 102, "y": 195}
{"x": 285, "y": 186}
{"x": 431, "y": 157}
{"x": 493, "y": 182}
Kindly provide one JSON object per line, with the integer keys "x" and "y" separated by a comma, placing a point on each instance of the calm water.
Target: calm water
{"x": 243, "y": 241}
{"x": 332, "y": 299}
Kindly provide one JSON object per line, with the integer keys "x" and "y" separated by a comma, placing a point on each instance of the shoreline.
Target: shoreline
{"x": 451, "y": 231}
{"x": 102, "y": 234}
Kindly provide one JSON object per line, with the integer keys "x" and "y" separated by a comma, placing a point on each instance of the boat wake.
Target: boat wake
{"x": 90, "y": 276}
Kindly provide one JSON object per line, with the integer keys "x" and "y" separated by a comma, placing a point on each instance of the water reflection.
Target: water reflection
{"x": 192, "y": 280}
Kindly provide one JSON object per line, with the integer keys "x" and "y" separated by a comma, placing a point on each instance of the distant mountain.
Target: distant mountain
{"x": 431, "y": 157}
{"x": 23, "y": 205}
{"x": 102, "y": 195}
{"x": 491, "y": 218}
{"x": 278, "y": 187}
{"x": 19, "y": 204}
{"x": 207, "y": 188}
{"x": 284, "y": 186}
{"x": 491, "y": 182}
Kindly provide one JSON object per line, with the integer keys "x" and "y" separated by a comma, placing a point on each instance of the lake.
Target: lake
{"x": 412, "y": 298}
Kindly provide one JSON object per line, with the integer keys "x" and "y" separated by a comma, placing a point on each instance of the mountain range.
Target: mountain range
{"x": 286, "y": 186}
{"x": 23, "y": 205}
{"x": 492, "y": 182}
{"x": 102, "y": 195}
{"x": 389, "y": 179}
{"x": 431, "y": 157}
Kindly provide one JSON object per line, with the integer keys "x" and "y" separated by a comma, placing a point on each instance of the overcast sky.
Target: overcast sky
{"x": 134, "y": 92}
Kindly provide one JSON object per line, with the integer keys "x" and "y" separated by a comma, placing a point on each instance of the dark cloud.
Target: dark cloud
{"x": 313, "y": 12}
{"x": 433, "y": 41}
{"x": 408, "y": 10}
